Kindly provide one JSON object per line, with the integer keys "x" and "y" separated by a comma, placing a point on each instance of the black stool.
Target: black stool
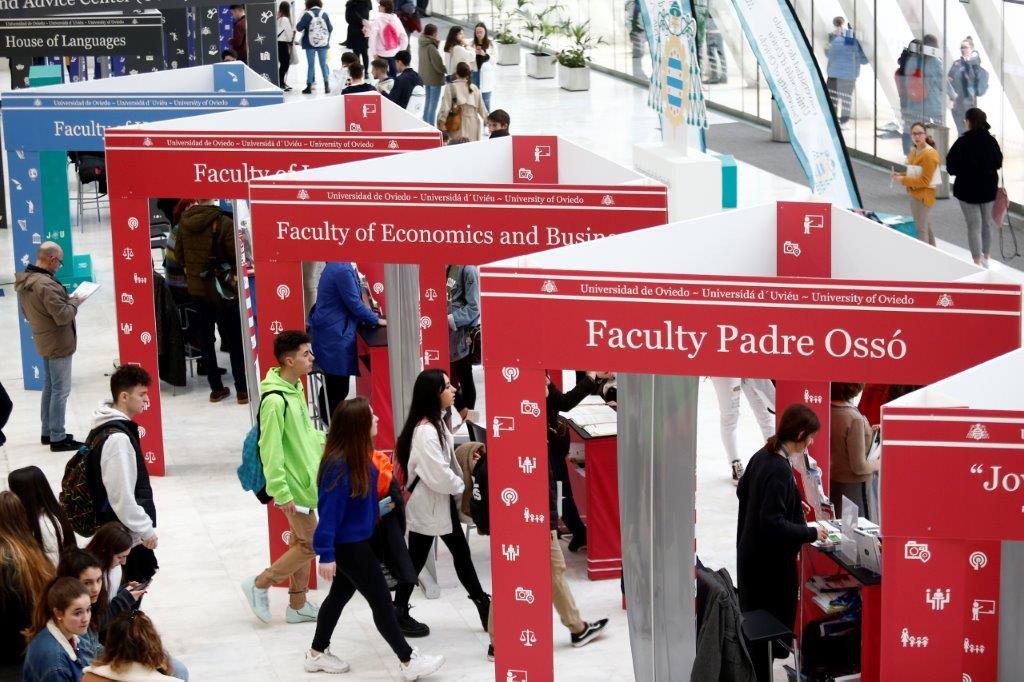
{"x": 760, "y": 627}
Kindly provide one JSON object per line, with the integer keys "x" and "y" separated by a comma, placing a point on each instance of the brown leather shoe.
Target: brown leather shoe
{"x": 219, "y": 394}
{"x": 243, "y": 397}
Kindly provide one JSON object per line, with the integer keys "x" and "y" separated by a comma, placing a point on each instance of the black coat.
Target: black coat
{"x": 769, "y": 534}
{"x": 558, "y": 433}
{"x": 974, "y": 159}
{"x": 355, "y": 12}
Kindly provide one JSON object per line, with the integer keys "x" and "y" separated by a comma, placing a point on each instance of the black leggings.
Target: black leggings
{"x": 358, "y": 570}
{"x": 284, "y": 60}
{"x": 419, "y": 549}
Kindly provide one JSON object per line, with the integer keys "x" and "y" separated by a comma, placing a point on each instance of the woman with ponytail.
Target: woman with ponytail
{"x": 922, "y": 165}
{"x": 771, "y": 528}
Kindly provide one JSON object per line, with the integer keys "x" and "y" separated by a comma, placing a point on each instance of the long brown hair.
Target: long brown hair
{"x": 132, "y": 638}
{"x": 108, "y": 541}
{"x": 57, "y": 596}
{"x": 349, "y": 441}
{"x": 797, "y": 423}
{"x": 24, "y": 569}
{"x": 73, "y": 563}
{"x": 30, "y": 485}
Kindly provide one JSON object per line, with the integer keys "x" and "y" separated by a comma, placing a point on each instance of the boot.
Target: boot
{"x": 483, "y": 607}
{"x": 409, "y": 626}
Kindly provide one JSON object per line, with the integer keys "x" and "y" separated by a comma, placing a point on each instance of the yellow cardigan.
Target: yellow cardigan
{"x": 920, "y": 187}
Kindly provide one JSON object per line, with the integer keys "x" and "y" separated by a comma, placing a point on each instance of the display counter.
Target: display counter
{"x": 596, "y": 492}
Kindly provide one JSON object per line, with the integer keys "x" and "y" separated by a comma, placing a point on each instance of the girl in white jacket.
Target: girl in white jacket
{"x": 425, "y": 449}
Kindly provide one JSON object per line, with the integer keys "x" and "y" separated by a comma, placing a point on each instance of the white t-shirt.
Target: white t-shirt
{"x": 285, "y": 30}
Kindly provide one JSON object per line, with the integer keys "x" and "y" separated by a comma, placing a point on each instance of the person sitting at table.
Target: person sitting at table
{"x": 771, "y": 528}
{"x": 333, "y": 321}
{"x": 851, "y": 472}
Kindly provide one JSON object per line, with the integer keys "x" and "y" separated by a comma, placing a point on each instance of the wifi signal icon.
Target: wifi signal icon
{"x": 509, "y": 496}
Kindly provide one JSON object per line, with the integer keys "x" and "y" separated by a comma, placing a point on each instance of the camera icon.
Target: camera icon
{"x": 525, "y": 174}
{"x": 916, "y": 551}
{"x": 529, "y": 408}
{"x": 791, "y": 249}
{"x": 524, "y": 595}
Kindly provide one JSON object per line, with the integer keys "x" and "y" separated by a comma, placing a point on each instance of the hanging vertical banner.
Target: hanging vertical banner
{"x": 176, "y": 38}
{"x": 208, "y": 27}
{"x": 793, "y": 76}
{"x": 261, "y": 40}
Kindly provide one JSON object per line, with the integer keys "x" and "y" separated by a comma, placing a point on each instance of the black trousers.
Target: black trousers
{"x": 358, "y": 570}
{"x": 388, "y": 543}
{"x": 223, "y": 316}
{"x": 140, "y": 565}
{"x": 570, "y": 514}
{"x": 336, "y": 386}
{"x": 462, "y": 377}
{"x": 284, "y": 58}
{"x": 419, "y": 550}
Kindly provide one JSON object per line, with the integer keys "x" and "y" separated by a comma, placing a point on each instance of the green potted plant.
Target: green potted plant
{"x": 573, "y": 71}
{"x": 508, "y": 43}
{"x": 538, "y": 29}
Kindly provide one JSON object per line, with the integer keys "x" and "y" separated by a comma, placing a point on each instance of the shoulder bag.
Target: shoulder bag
{"x": 452, "y": 123}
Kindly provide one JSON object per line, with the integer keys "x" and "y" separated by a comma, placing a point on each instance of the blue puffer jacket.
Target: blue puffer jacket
{"x": 337, "y": 314}
{"x": 933, "y": 107}
{"x": 845, "y": 56}
{"x": 50, "y": 658}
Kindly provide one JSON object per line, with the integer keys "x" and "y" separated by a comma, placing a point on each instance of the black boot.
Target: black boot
{"x": 409, "y": 626}
{"x": 483, "y": 607}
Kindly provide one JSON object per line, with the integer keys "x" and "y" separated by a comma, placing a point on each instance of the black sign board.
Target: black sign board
{"x": 82, "y": 35}
{"x": 261, "y": 39}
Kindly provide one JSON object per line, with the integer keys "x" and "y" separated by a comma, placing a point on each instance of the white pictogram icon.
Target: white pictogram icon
{"x": 813, "y": 222}
{"x": 276, "y": 327}
{"x": 522, "y": 676}
{"x": 527, "y": 464}
{"x": 916, "y": 551}
{"x": 30, "y": 206}
{"x": 355, "y": 127}
{"x": 127, "y": 298}
{"x": 978, "y": 432}
{"x": 303, "y": 194}
{"x": 431, "y": 355}
{"x": 35, "y": 371}
{"x": 541, "y": 151}
{"x": 529, "y": 517}
{"x": 972, "y": 648}
{"x": 37, "y": 238}
{"x": 286, "y": 537}
{"x": 509, "y": 496}
{"x": 430, "y": 294}
{"x": 23, "y": 224}
{"x": 529, "y": 408}
{"x": 16, "y": 183}
{"x": 982, "y": 607}
{"x": 524, "y": 595}
{"x": 525, "y": 174}
{"x": 150, "y": 457}
{"x": 938, "y": 599}
{"x": 527, "y": 637}
{"x": 425, "y": 322}
{"x": 392, "y": 144}
{"x": 146, "y": 338}
{"x": 510, "y": 552}
{"x": 368, "y": 109}
{"x": 128, "y": 253}
{"x": 791, "y": 249}
{"x": 126, "y": 328}
{"x": 499, "y": 424}
{"x": 945, "y": 301}
{"x": 133, "y": 223}
{"x": 607, "y": 200}
{"x": 139, "y": 279}
{"x": 909, "y": 640}
{"x": 978, "y": 560}
{"x": 378, "y": 287}
{"x": 142, "y": 432}
{"x": 548, "y": 287}
{"x": 510, "y": 373}
{"x": 148, "y": 142}
{"x": 283, "y": 291}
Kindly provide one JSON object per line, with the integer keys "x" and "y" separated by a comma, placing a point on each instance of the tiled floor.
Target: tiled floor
{"x": 212, "y": 534}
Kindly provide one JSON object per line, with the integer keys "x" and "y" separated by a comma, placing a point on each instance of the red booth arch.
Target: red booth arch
{"x": 215, "y": 156}
{"x": 799, "y": 329}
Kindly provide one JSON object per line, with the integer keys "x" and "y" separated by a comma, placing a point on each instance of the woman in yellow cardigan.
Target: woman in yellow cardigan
{"x": 922, "y": 163}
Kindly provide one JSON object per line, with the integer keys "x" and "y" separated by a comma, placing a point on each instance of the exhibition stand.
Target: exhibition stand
{"x": 953, "y": 522}
{"x": 216, "y": 156}
{"x": 41, "y": 125}
{"x": 733, "y": 294}
{"x": 465, "y": 204}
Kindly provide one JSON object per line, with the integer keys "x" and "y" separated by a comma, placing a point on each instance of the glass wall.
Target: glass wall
{"x": 888, "y": 63}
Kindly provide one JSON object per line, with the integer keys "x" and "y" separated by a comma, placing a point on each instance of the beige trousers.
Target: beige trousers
{"x": 294, "y": 563}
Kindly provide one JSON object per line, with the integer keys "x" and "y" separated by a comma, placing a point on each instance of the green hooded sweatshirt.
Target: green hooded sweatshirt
{"x": 290, "y": 446}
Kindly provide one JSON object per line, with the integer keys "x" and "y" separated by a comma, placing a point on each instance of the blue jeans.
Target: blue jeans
{"x": 430, "y": 105}
{"x": 321, "y": 56}
{"x": 56, "y": 388}
{"x": 487, "y": 101}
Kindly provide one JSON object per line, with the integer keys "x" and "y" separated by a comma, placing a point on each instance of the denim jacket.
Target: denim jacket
{"x": 51, "y": 658}
{"x": 463, "y": 308}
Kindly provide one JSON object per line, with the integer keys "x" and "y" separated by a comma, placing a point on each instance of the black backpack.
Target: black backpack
{"x": 478, "y": 508}
{"x": 81, "y": 486}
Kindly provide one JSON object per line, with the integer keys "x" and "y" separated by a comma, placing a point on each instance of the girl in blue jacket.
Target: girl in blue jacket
{"x": 349, "y": 510}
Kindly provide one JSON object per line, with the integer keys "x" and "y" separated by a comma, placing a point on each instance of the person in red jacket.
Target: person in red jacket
{"x": 237, "y": 40}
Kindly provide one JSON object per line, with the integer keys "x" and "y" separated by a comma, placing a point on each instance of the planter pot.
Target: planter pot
{"x": 540, "y": 65}
{"x": 574, "y": 79}
{"x": 508, "y": 54}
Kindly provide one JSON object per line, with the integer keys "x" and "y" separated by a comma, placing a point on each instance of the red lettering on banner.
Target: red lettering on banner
{"x": 535, "y": 159}
{"x": 520, "y": 523}
{"x": 363, "y": 113}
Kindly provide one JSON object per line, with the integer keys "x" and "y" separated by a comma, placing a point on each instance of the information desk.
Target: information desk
{"x": 596, "y": 492}
{"x": 870, "y": 587}
{"x": 374, "y": 381}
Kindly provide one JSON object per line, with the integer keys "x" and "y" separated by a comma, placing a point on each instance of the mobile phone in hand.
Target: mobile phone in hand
{"x": 386, "y": 505}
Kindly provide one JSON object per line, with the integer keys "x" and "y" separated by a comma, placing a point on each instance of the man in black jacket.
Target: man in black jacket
{"x": 498, "y": 122}
{"x": 405, "y": 81}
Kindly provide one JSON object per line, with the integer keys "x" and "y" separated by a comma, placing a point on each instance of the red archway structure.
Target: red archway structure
{"x": 706, "y": 296}
{"x": 952, "y": 487}
{"x": 465, "y": 204}
{"x": 216, "y": 156}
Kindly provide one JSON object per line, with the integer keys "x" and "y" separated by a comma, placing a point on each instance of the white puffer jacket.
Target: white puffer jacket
{"x": 428, "y": 511}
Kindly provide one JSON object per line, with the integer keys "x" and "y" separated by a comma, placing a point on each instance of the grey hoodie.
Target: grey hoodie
{"x": 119, "y": 474}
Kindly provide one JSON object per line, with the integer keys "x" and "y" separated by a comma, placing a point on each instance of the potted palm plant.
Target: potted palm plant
{"x": 573, "y": 72}
{"x": 538, "y": 28}
{"x": 508, "y": 43}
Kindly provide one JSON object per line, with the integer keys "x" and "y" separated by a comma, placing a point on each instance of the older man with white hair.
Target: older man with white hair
{"x": 51, "y": 312}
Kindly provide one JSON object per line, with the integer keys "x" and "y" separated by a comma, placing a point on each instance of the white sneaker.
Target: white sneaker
{"x": 420, "y": 665}
{"x": 259, "y": 600}
{"x": 325, "y": 662}
{"x": 307, "y": 614}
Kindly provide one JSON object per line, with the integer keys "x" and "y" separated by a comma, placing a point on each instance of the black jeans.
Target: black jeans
{"x": 419, "y": 549}
{"x": 284, "y": 60}
{"x": 336, "y": 386}
{"x": 462, "y": 374}
{"x": 570, "y": 514}
{"x": 358, "y": 569}
{"x": 225, "y": 317}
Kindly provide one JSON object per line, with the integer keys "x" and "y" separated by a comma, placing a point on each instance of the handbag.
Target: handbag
{"x": 452, "y": 122}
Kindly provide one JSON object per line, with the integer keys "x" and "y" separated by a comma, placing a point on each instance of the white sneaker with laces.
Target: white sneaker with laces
{"x": 259, "y": 600}
{"x": 420, "y": 665}
{"x": 325, "y": 662}
{"x": 307, "y": 614}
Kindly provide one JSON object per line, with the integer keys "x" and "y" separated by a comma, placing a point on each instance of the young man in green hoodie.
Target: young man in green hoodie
{"x": 291, "y": 449}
